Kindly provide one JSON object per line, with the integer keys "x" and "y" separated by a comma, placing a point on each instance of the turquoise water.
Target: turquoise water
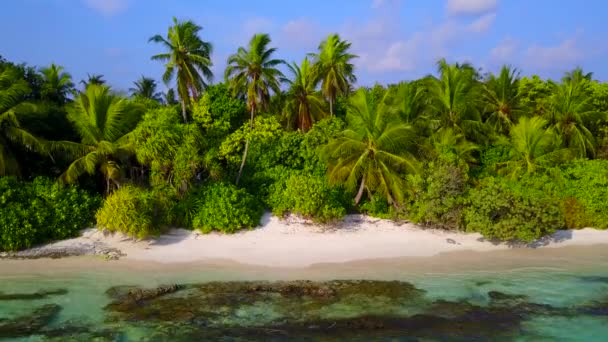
{"x": 566, "y": 302}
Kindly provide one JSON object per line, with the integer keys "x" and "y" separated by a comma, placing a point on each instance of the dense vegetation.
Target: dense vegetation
{"x": 511, "y": 157}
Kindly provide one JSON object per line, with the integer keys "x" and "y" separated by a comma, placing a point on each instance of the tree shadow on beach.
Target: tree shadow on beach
{"x": 557, "y": 237}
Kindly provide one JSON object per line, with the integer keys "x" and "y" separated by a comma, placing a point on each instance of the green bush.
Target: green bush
{"x": 308, "y": 196}
{"x": 584, "y": 188}
{"x": 226, "y": 208}
{"x": 41, "y": 211}
{"x": 136, "y": 212}
{"x": 510, "y": 211}
{"x": 439, "y": 195}
{"x": 378, "y": 207}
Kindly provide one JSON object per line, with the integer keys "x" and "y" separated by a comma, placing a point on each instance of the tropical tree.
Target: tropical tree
{"x": 406, "y": 100}
{"x": 532, "y": 147}
{"x": 571, "y": 114}
{"x": 502, "y": 99}
{"x": 577, "y": 76}
{"x": 333, "y": 66}
{"x": 305, "y": 103}
{"x": 188, "y": 59}
{"x": 96, "y": 79}
{"x": 13, "y": 90}
{"x": 253, "y": 72}
{"x": 57, "y": 84}
{"x": 104, "y": 122}
{"x": 169, "y": 97}
{"x": 145, "y": 88}
{"x": 447, "y": 142}
{"x": 454, "y": 98}
{"x": 372, "y": 153}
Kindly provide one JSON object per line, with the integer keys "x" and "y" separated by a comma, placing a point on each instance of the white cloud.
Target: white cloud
{"x": 400, "y": 56}
{"x": 482, "y": 23}
{"x": 565, "y": 54}
{"x": 470, "y": 7}
{"x": 504, "y": 51}
{"x": 108, "y": 7}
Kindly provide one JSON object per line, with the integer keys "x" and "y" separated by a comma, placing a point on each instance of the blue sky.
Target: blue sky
{"x": 395, "y": 39}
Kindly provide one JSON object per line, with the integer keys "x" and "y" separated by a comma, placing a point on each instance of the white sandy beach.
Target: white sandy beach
{"x": 297, "y": 243}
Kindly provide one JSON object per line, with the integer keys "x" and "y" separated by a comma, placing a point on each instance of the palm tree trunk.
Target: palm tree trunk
{"x": 184, "y": 114}
{"x": 360, "y": 192}
{"x": 238, "y": 177}
{"x": 331, "y": 106}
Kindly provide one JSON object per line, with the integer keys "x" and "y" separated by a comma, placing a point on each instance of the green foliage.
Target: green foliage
{"x": 219, "y": 113}
{"x": 439, "y": 194}
{"x": 104, "y": 122}
{"x": 373, "y": 152}
{"x": 226, "y": 208}
{"x": 40, "y": 211}
{"x": 187, "y": 57}
{"x": 136, "y": 212}
{"x": 264, "y": 129}
{"x": 535, "y": 94}
{"x": 307, "y": 196}
{"x": 173, "y": 151}
{"x": 509, "y": 211}
{"x": 585, "y": 192}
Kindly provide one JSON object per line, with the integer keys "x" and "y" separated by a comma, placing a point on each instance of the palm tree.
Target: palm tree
{"x": 333, "y": 66}
{"x": 571, "y": 114}
{"x": 188, "y": 58}
{"x": 13, "y": 90}
{"x": 104, "y": 122}
{"x": 406, "y": 100}
{"x": 96, "y": 79}
{"x": 372, "y": 152}
{"x": 145, "y": 87}
{"x": 57, "y": 84}
{"x": 446, "y": 141}
{"x": 502, "y": 99}
{"x": 577, "y": 76}
{"x": 305, "y": 103}
{"x": 453, "y": 98}
{"x": 169, "y": 97}
{"x": 532, "y": 146}
{"x": 253, "y": 72}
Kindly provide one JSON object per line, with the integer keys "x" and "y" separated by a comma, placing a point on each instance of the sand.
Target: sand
{"x": 298, "y": 243}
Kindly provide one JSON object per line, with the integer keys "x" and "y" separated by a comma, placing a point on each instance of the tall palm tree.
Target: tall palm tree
{"x": 253, "y": 72}
{"x": 532, "y": 146}
{"x": 454, "y": 98}
{"x": 145, "y": 87}
{"x": 372, "y": 152}
{"x": 104, "y": 122}
{"x": 96, "y": 79}
{"x": 13, "y": 90}
{"x": 333, "y": 65}
{"x": 305, "y": 103}
{"x": 571, "y": 114}
{"x": 188, "y": 58}
{"x": 57, "y": 84}
{"x": 502, "y": 99}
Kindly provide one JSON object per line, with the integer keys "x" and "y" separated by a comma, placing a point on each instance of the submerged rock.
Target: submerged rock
{"x": 32, "y": 296}
{"x": 29, "y": 325}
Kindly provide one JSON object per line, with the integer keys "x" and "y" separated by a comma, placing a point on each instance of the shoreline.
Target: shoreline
{"x": 296, "y": 243}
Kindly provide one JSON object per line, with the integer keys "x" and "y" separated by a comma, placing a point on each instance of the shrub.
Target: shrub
{"x": 134, "y": 211}
{"x": 377, "y": 206}
{"x": 586, "y": 181}
{"x": 226, "y": 208}
{"x": 439, "y": 196}
{"x": 308, "y": 196}
{"x": 41, "y": 211}
{"x": 511, "y": 211}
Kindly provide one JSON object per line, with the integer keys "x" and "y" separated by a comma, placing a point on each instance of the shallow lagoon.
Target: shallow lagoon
{"x": 517, "y": 295}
